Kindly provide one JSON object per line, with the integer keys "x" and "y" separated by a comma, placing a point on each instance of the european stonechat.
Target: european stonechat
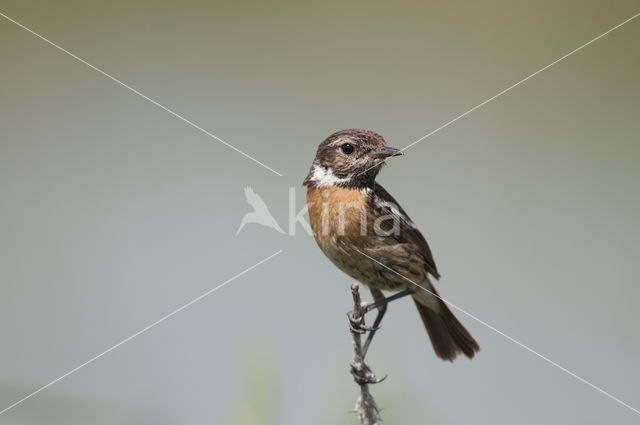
{"x": 367, "y": 235}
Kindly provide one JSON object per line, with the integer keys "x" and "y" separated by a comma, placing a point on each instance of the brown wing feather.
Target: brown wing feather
{"x": 382, "y": 203}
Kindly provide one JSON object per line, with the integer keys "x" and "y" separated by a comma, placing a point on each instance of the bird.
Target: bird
{"x": 363, "y": 230}
{"x": 260, "y": 213}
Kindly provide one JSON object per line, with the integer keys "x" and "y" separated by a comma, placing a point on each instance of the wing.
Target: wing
{"x": 406, "y": 234}
{"x": 254, "y": 199}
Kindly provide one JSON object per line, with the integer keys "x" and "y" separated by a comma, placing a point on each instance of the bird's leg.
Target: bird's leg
{"x": 381, "y": 304}
{"x": 378, "y": 296}
{"x": 386, "y": 300}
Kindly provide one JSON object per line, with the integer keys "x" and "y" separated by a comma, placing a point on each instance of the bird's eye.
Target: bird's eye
{"x": 347, "y": 148}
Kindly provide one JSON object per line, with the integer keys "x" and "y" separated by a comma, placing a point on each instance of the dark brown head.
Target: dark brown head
{"x": 349, "y": 158}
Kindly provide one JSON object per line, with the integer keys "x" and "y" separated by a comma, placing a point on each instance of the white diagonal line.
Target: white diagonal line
{"x": 531, "y": 350}
{"x": 145, "y": 97}
{"x": 141, "y": 331}
{"x": 480, "y": 105}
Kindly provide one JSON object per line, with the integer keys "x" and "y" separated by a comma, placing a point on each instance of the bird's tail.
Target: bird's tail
{"x": 448, "y": 336}
{"x": 242, "y": 223}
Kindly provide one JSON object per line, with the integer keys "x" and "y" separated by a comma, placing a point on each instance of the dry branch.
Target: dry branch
{"x": 366, "y": 404}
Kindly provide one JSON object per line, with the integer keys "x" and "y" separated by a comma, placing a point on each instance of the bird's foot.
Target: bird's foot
{"x": 362, "y": 374}
{"x": 357, "y": 325}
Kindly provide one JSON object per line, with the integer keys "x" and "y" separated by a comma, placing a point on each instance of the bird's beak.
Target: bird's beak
{"x": 385, "y": 152}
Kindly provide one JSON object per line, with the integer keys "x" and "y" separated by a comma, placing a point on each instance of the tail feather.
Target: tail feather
{"x": 448, "y": 336}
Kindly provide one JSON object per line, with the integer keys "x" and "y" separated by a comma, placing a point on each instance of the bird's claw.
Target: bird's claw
{"x": 357, "y": 325}
{"x": 362, "y": 374}
{"x": 369, "y": 307}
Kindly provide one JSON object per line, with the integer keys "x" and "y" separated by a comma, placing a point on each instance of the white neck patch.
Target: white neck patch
{"x": 324, "y": 177}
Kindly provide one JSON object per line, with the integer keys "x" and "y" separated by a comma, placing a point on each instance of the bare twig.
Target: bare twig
{"x": 366, "y": 404}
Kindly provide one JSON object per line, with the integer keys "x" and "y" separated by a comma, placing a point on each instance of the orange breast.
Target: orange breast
{"x": 339, "y": 222}
{"x": 336, "y": 212}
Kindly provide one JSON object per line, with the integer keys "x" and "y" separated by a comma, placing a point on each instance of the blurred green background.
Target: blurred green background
{"x": 114, "y": 213}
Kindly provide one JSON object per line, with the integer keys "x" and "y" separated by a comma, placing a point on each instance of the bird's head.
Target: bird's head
{"x": 349, "y": 158}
